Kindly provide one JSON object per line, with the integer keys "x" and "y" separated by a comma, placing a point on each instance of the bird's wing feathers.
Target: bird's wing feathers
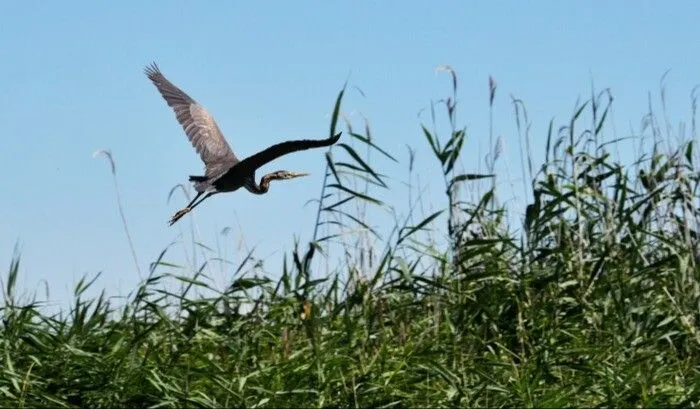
{"x": 199, "y": 125}
{"x": 275, "y": 151}
{"x": 209, "y": 142}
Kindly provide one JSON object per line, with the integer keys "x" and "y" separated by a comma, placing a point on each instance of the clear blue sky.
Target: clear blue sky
{"x": 72, "y": 82}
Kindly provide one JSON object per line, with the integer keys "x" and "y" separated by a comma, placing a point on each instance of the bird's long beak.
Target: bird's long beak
{"x": 297, "y": 174}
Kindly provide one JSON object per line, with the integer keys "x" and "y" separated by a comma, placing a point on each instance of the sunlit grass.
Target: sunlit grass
{"x": 593, "y": 301}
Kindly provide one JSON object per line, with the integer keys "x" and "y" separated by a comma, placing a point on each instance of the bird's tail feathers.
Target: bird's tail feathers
{"x": 200, "y": 183}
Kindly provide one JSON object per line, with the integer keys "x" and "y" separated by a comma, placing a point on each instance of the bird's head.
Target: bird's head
{"x": 286, "y": 174}
{"x": 277, "y": 175}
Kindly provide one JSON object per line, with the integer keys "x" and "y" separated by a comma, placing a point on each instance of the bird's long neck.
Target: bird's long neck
{"x": 258, "y": 189}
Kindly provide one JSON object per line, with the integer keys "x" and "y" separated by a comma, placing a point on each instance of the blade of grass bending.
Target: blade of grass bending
{"x": 108, "y": 155}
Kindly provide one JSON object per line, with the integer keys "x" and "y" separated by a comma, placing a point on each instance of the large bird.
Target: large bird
{"x": 224, "y": 172}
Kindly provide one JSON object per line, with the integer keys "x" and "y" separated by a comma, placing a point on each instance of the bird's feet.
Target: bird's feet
{"x": 177, "y": 216}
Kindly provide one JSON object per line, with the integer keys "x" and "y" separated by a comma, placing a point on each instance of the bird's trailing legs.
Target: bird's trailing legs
{"x": 178, "y": 215}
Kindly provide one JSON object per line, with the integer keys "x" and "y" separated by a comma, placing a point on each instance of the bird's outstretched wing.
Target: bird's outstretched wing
{"x": 200, "y": 127}
{"x": 254, "y": 162}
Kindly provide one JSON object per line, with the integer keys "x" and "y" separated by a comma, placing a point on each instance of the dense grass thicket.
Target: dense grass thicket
{"x": 591, "y": 299}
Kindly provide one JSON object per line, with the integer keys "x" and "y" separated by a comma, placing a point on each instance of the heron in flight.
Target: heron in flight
{"x": 224, "y": 172}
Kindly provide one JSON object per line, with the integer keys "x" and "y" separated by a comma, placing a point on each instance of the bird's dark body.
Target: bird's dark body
{"x": 224, "y": 172}
{"x": 222, "y": 184}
